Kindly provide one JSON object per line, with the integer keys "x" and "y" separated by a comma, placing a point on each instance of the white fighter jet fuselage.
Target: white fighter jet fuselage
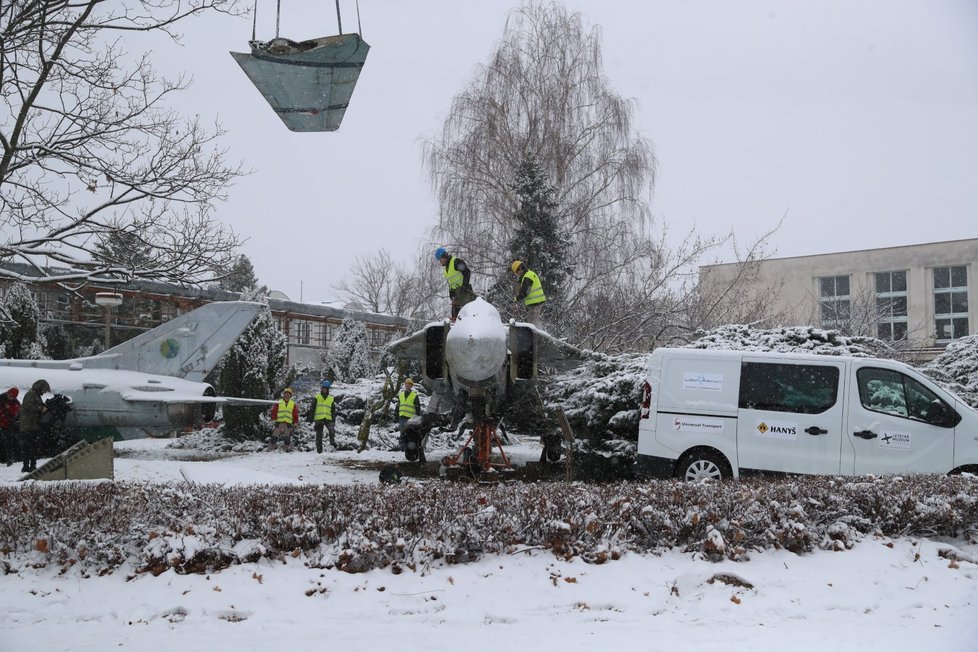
{"x": 149, "y": 385}
{"x": 479, "y": 356}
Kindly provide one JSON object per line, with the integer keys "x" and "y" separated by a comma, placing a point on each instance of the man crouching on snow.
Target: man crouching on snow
{"x": 285, "y": 414}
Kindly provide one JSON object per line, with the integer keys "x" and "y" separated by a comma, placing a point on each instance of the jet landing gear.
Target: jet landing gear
{"x": 474, "y": 460}
{"x": 553, "y": 449}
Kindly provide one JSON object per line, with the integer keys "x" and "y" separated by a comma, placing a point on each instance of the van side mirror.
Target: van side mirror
{"x": 941, "y": 414}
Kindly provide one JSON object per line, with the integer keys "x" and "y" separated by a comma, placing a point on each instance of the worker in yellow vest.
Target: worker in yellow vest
{"x": 285, "y": 415}
{"x": 322, "y": 414}
{"x": 457, "y": 274}
{"x": 530, "y": 292}
{"x": 408, "y": 405}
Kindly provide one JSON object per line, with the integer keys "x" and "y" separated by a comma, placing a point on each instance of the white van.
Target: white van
{"x": 714, "y": 414}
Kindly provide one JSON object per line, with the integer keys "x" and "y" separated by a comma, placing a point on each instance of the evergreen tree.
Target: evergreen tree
{"x": 252, "y": 368}
{"x": 537, "y": 240}
{"x": 19, "y": 321}
{"x": 240, "y": 276}
{"x": 58, "y": 345}
{"x": 348, "y": 356}
{"x": 124, "y": 249}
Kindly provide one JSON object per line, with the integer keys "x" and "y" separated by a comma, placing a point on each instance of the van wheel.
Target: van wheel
{"x": 703, "y": 465}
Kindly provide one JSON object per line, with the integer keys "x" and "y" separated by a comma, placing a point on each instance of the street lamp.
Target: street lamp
{"x": 108, "y": 300}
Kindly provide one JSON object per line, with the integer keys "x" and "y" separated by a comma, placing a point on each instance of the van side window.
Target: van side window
{"x": 800, "y": 388}
{"x": 891, "y": 392}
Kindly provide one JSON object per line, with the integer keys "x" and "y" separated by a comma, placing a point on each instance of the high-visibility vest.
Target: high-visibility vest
{"x": 324, "y": 407}
{"x": 452, "y": 275}
{"x": 284, "y": 414}
{"x": 535, "y": 295}
{"x": 406, "y": 404}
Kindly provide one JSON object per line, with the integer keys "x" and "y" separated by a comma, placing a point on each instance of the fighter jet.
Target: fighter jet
{"x": 149, "y": 385}
{"x": 474, "y": 364}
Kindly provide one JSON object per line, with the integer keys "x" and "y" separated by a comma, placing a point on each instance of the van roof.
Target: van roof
{"x": 774, "y": 355}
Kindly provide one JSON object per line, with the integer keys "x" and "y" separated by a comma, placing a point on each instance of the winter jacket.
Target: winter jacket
{"x": 9, "y": 409}
{"x": 33, "y": 406}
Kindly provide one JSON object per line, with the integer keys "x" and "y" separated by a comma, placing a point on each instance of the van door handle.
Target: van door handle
{"x": 865, "y": 434}
{"x": 815, "y": 430}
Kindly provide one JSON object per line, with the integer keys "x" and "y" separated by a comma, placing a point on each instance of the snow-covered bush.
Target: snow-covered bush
{"x": 792, "y": 339}
{"x": 957, "y": 368}
{"x": 98, "y": 528}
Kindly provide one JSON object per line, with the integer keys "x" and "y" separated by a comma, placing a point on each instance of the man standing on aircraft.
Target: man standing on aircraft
{"x": 457, "y": 274}
{"x": 9, "y": 409}
{"x": 30, "y": 423}
{"x": 322, "y": 415}
{"x": 285, "y": 414}
{"x": 531, "y": 291}
{"x": 408, "y": 405}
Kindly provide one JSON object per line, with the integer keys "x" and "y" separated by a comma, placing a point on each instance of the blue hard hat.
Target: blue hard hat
{"x": 327, "y": 384}
{"x": 439, "y": 252}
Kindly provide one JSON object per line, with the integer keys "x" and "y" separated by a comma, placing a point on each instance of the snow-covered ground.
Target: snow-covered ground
{"x": 882, "y": 595}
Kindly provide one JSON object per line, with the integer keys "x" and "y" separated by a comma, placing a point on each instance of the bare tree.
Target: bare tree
{"x": 90, "y": 149}
{"x": 384, "y": 286}
{"x": 544, "y": 95}
{"x": 863, "y": 314}
{"x": 740, "y": 298}
{"x": 667, "y": 303}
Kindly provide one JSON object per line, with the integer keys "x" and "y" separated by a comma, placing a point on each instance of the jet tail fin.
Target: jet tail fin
{"x": 189, "y": 346}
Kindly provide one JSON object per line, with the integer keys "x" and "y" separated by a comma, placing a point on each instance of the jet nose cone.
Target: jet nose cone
{"x": 476, "y": 344}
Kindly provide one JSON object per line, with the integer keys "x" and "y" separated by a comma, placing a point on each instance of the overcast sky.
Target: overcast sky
{"x": 855, "y": 119}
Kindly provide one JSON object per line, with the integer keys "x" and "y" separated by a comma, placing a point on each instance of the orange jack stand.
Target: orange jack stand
{"x": 477, "y": 458}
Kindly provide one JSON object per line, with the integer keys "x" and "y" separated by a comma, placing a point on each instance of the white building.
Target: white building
{"x": 918, "y": 293}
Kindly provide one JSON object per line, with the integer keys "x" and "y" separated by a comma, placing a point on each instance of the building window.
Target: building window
{"x": 329, "y": 332}
{"x": 168, "y": 311}
{"x": 950, "y": 302}
{"x": 891, "y": 305}
{"x": 302, "y": 332}
{"x": 834, "y": 301}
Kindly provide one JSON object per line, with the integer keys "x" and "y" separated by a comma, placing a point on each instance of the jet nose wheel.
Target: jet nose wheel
{"x": 390, "y": 475}
{"x": 552, "y": 449}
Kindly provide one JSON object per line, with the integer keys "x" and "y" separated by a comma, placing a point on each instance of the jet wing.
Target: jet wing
{"x": 554, "y": 353}
{"x": 411, "y": 347}
{"x": 136, "y": 396}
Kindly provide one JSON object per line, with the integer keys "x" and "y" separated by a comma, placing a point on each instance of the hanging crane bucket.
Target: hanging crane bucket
{"x": 308, "y": 84}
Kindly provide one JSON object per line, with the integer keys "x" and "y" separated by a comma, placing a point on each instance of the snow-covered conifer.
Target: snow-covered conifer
{"x": 252, "y": 368}
{"x": 348, "y": 356}
{"x": 19, "y": 324}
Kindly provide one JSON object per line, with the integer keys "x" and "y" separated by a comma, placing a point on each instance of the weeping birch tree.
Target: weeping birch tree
{"x": 544, "y": 96}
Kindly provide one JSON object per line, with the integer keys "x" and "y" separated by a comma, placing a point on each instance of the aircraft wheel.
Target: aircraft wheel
{"x": 390, "y": 475}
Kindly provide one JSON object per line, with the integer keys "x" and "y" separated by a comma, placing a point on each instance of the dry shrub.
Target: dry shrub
{"x": 100, "y": 527}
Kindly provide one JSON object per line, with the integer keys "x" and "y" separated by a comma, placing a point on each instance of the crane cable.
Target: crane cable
{"x": 278, "y": 16}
